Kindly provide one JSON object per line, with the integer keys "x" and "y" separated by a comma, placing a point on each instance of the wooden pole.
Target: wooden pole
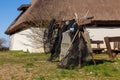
{"x": 72, "y": 41}
{"x": 88, "y": 46}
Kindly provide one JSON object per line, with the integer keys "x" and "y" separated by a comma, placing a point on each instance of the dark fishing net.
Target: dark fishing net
{"x": 77, "y": 53}
{"x": 49, "y": 36}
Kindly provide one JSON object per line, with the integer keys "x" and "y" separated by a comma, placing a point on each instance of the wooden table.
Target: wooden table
{"x": 98, "y": 49}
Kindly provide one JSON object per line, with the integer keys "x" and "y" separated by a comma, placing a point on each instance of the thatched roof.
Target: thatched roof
{"x": 23, "y": 7}
{"x": 102, "y": 10}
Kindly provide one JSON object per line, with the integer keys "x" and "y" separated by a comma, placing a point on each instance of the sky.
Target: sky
{"x": 8, "y": 12}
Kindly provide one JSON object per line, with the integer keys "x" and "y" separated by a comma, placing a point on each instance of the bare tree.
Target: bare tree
{"x": 2, "y": 41}
{"x": 38, "y": 23}
{"x": 36, "y": 30}
{"x": 34, "y": 35}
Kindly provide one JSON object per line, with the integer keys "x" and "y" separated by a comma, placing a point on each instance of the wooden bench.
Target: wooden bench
{"x": 112, "y": 51}
{"x": 98, "y": 49}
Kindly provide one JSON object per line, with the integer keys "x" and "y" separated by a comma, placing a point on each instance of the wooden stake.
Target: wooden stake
{"x": 72, "y": 40}
{"x": 89, "y": 52}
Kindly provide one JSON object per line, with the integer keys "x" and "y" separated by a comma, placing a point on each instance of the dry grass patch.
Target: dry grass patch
{"x": 17, "y": 65}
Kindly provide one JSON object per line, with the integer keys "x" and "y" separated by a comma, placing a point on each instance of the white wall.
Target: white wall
{"x": 18, "y": 41}
{"x": 100, "y": 33}
{"x": 21, "y": 41}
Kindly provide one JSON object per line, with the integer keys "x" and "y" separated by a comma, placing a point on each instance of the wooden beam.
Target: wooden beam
{"x": 114, "y": 39}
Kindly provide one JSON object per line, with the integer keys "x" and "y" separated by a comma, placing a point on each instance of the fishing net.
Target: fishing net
{"x": 78, "y": 50}
{"x": 76, "y": 54}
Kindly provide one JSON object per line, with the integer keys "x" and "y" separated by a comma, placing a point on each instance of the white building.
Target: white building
{"x": 106, "y": 20}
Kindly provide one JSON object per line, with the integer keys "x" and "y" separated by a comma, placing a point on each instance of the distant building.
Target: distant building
{"x": 106, "y": 20}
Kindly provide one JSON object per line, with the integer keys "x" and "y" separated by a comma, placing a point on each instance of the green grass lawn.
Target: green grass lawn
{"x": 17, "y": 65}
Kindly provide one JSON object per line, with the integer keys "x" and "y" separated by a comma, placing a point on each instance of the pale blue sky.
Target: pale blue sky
{"x": 8, "y": 12}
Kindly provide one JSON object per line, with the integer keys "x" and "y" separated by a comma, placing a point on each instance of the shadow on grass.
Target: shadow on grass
{"x": 97, "y": 62}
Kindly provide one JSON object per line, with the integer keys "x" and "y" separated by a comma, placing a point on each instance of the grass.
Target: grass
{"x": 17, "y": 65}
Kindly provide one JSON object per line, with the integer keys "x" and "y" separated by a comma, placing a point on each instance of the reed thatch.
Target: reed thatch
{"x": 102, "y": 10}
{"x": 24, "y": 7}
